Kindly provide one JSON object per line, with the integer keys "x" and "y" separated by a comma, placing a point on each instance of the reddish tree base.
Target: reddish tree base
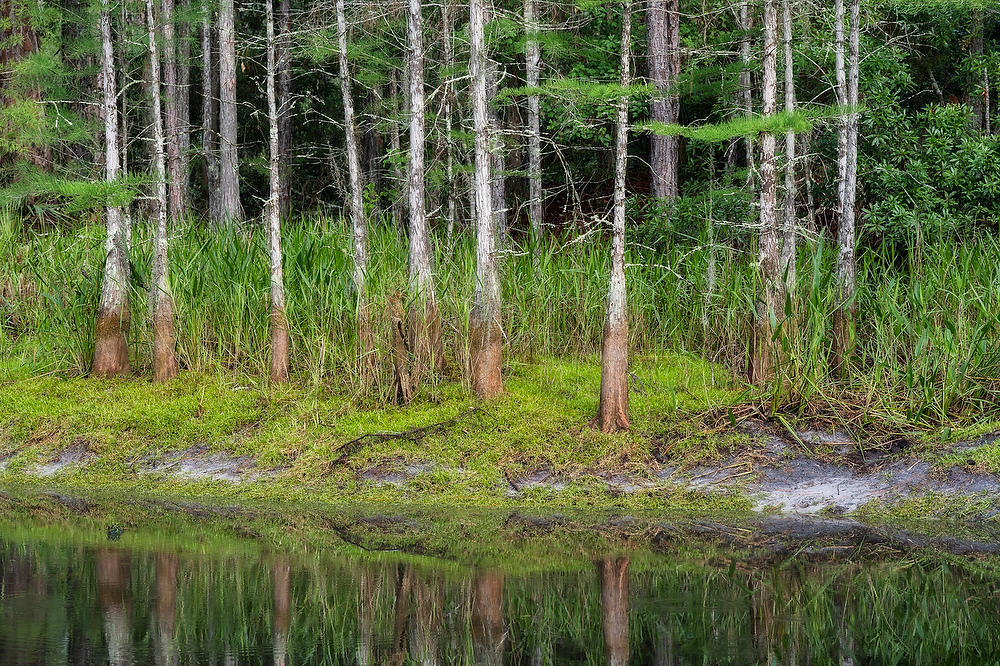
{"x": 487, "y": 618}
{"x": 164, "y": 342}
{"x": 843, "y": 339}
{"x": 111, "y": 349}
{"x": 761, "y": 359}
{"x": 485, "y": 357}
{"x": 400, "y": 352}
{"x": 612, "y": 410}
{"x": 279, "y": 347}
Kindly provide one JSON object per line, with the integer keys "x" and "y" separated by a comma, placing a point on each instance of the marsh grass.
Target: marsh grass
{"x": 927, "y": 350}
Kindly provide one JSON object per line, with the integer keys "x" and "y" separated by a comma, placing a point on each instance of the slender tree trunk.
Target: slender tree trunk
{"x": 171, "y": 107}
{"x": 975, "y": 98}
{"x": 485, "y": 328}
{"x": 209, "y": 134}
{"x": 424, "y": 319}
{"x": 285, "y": 104}
{"x": 844, "y": 316}
{"x": 533, "y": 62}
{"x": 166, "y": 609}
{"x": 113, "y": 574}
{"x": 487, "y": 618}
{"x": 184, "y": 101}
{"x": 498, "y": 182}
{"x": 279, "y": 323}
{"x": 663, "y": 19}
{"x": 123, "y": 146}
{"x": 358, "y": 223}
{"x": 161, "y": 303}
{"x": 281, "y": 576}
{"x": 613, "y": 574}
{"x": 229, "y": 179}
{"x": 790, "y": 230}
{"x": 612, "y": 410}
{"x": 448, "y": 57}
{"x": 765, "y": 346}
{"x": 400, "y": 202}
{"x": 110, "y": 348}
{"x": 746, "y": 81}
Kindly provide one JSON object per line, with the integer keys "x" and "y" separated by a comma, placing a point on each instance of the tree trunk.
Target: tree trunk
{"x": 843, "y": 321}
{"x": 487, "y": 617}
{"x": 746, "y": 81}
{"x": 281, "y": 576}
{"x": 400, "y": 201}
{"x": 424, "y": 319}
{"x": 209, "y": 132}
{"x": 358, "y": 223}
{"x": 166, "y": 609}
{"x": 765, "y": 346}
{"x": 449, "y": 101}
{"x": 113, "y": 574}
{"x": 533, "y": 61}
{"x": 498, "y": 183}
{"x": 976, "y": 98}
{"x": 790, "y": 227}
{"x": 184, "y": 102}
{"x": 161, "y": 303}
{"x": 285, "y": 104}
{"x": 663, "y": 19}
{"x": 613, "y": 573}
{"x": 229, "y": 177}
{"x": 612, "y": 410}
{"x": 485, "y": 331}
{"x": 279, "y": 323}
{"x": 171, "y": 108}
{"x": 110, "y": 348}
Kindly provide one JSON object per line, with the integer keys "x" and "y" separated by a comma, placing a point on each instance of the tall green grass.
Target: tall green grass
{"x": 927, "y": 344}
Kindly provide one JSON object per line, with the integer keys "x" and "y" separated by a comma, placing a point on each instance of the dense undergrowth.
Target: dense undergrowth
{"x": 928, "y": 348}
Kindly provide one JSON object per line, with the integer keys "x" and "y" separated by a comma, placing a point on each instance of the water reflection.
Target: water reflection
{"x": 71, "y": 604}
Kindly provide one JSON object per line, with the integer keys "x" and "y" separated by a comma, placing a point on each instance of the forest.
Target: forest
{"x": 380, "y": 198}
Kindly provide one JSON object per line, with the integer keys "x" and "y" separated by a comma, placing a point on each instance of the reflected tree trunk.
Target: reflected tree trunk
{"x": 426, "y": 621}
{"x": 369, "y": 588}
{"x": 613, "y": 574}
{"x": 487, "y": 619}
{"x": 114, "y": 594}
{"x": 166, "y": 609}
{"x": 281, "y": 576}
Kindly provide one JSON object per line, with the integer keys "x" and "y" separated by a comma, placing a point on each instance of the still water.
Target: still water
{"x": 64, "y": 601}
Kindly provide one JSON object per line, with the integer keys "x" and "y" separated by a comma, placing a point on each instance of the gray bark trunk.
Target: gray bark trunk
{"x": 209, "y": 135}
{"x": 279, "y": 325}
{"x": 612, "y": 411}
{"x": 790, "y": 227}
{"x": 449, "y": 100}
{"x": 285, "y": 104}
{"x": 400, "y": 202}
{"x": 486, "y": 333}
{"x": 533, "y": 61}
{"x": 171, "y": 108}
{"x": 425, "y": 324}
{"x": 359, "y": 225}
{"x": 161, "y": 304}
{"x": 498, "y": 183}
{"x": 664, "y": 67}
{"x": 184, "y": 101}
{"x": 746, "y": 81}
{"x": 229, "y": 179}
{"x": 111, "y": 349}
{"x": 765, "y": 346}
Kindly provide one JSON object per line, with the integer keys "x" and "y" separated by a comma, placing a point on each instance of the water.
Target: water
{"x": 71, "y": 596}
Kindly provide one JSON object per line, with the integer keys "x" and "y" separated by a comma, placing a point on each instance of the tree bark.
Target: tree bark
{"x": 359, "y": 225}
{"x": 161, "y": 303}
{"x": 171, "y": 107}
{"x": 184, "y": 102}
{"x": 110, "y": 348}
{"x": 844, "y": 315}
{"x": 485, "y": 331}
{"x": 400, "y": 201}
{"x": 663, "y": 21}
{"x": 790, "y": 227}
{"x": 285, "y": 104}
{"x": 424, "y": 319}
{"x": 498, "y": 182}
{"x": 209, "y": 131}
{"x": 765, "y": 347}
{"x": 487, "y": 617}
{"x": 533, "y": 61}
{"x": 612, "y": 410}
{"x": 281, "y": 576}
{"x": 746, "y": 81}
{"x": 613, "y": 573}
{"x": 166, "y": 609}
{"x": 279, "y": 323}
{"x": 448, "y": 57}
{"x": 229, "y": 179}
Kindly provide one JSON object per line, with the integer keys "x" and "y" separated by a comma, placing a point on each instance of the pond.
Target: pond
{"x": 76, "y": 596}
